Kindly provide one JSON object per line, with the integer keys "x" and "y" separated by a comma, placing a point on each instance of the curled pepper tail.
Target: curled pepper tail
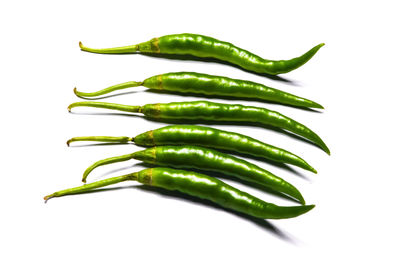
{"x": 286, "y": 66}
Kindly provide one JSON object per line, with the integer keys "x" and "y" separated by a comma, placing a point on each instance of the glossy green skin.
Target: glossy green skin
{"x": 205, "y": 187}
{"x": 204, "y": 46}
{"x": 219, "y": 139}
{"x": 193, "y": 157}
{"x": 212, "y": 111}
{"x": 197, "y": 185}
{"x": 208, "y": 47}
{"x": 190, "y": 82}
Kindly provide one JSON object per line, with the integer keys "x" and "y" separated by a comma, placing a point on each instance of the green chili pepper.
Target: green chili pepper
{"x": 194, "y": 157}
{"x": 207, "y": 137}
{"x": 207, "y": 47}
{"x": 211, "y": 111}
{"x": 190, "y": 82}
{"x": 198, "y": 185}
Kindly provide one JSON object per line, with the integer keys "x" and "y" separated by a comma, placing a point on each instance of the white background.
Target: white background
{"x": 355, "y": 76}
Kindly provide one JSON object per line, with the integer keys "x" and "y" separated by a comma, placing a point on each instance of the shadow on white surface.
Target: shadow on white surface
{"x": 263, "y": 224}
{"x": 186, "y": 57}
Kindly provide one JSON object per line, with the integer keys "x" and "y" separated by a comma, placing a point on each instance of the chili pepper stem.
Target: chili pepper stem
{"x": 106, "y": 161}
{"x": 123, "y": 49}
{"x": 94, "y": 185}
{"x": 121, "y": 86}
{"x": 114, "y": 106}
{"x": 111, "y": 139}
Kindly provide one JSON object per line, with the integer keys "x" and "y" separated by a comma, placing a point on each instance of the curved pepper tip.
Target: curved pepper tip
{"x": 316, "y": 48}
{"x": 307, "y": 208}
{"x": 327, "y": 151}
{"x": 310, "y": 207}
{"x": 324, "y": 147}
{"x": 317, "y": 105}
